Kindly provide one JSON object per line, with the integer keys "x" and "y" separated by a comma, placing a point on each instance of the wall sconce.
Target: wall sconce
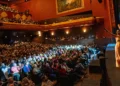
{"x": 52, "y": 33}
{"x": 39, "y": 33}
{"x": 84, "y": 29}
{"x": 67, "y": 32}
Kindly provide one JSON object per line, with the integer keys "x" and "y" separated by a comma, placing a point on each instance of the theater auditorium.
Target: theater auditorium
{"x": 59, "y": 42}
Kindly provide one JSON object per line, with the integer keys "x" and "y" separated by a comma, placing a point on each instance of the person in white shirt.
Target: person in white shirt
{"x": 4, "y": 70}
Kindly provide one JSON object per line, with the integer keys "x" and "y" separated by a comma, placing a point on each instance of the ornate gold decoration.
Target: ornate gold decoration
{"x": 3, "y": 14}
{"x": 24, "y": 17}
{"x": 17, "y": 16}
{"x": 29, "y": 18}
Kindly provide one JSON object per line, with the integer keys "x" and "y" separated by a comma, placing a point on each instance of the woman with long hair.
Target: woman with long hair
{"x": 117, "y": 48}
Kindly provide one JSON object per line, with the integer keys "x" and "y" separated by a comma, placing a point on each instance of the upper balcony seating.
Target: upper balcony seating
{"x": 8, "y": 14}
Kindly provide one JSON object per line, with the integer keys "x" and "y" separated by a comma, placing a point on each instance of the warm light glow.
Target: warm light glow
{"x": 67, "y": 31}
{"x": 52, "y": 33}
{"x": 118, "y": 26}
{"x": 39, "y": 33}
{"x": 84, "y": 30}
{"x": 66, "y": 27}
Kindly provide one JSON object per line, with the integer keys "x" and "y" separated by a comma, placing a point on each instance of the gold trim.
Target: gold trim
{"x": 69, "y": 10}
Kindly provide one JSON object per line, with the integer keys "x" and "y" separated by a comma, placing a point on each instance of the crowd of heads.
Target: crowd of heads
{"x": 30, "y": 64}
{"x": 69, "y": 38}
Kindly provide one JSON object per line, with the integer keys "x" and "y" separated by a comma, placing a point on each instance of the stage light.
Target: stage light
{"x": 67, "y": 32}
{"x": 52, "y": 33}
{"x": 39, "y": 33}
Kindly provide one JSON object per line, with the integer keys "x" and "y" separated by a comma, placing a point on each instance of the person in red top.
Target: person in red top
{"x": 62, "y": 71}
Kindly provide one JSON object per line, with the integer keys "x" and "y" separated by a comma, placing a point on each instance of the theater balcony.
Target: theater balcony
{"x": 71, "y": 23}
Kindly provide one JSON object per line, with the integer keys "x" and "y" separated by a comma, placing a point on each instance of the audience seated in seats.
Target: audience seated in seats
{"x": 15, "y": 71}
{"x": 42, "y": 64}
{"x": 10, "y": 81}
{"x": 27, "y": 69}
{"x": 27, "y": 82}
{"x": 4, "y": 72}
{"x": 70, "y": 38}
{"x": 47, "y": 82}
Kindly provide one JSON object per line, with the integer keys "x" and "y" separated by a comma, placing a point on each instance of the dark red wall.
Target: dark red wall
{"x": 102, "y": 10}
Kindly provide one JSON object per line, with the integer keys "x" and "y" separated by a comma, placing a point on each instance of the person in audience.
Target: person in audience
{"x": 15, "y": 71}
{"x": 27, "y": 82}
{"x": 4, "y": 72}
{"x": 27, "y": 69}
{"x": 35, "y": 60}
{"x": 47, "y": 82}
{"x": 10, "y": 81}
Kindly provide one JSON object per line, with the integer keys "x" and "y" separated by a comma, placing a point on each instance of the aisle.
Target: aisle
{"x": 92, "y": 80}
